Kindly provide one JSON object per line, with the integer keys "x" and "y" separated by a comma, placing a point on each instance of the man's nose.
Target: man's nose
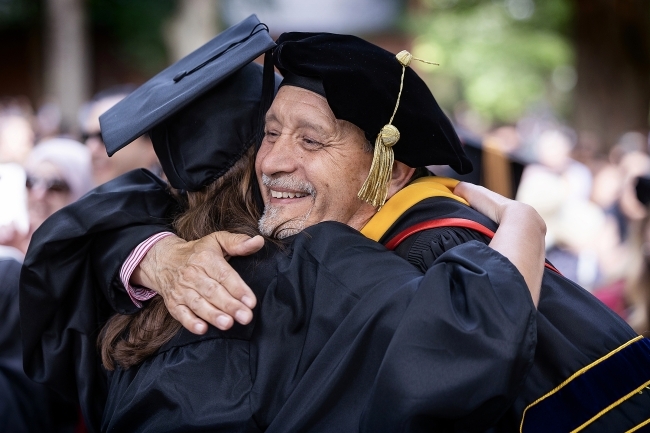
{"x": 283, "y": 156}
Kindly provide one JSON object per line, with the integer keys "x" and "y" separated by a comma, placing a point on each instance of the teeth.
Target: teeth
{"x": 278, "y": 194}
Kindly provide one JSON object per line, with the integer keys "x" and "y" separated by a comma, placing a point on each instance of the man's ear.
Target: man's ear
{"x": 402, "y": 173}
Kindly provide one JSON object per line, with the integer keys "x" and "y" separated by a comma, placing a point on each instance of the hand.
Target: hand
{"x": 521, "y": 232}
{"x": 488, "y": 202}
{"x": 196, "y": 281}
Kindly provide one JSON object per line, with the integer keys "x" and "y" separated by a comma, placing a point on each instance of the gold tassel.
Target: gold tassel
{"x": 375, "y": 189}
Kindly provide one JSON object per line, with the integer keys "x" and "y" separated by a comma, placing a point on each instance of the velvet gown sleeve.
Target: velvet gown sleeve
{"x": 68, "y": 283}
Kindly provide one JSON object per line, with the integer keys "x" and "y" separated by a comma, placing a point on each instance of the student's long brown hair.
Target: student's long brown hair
{"x": 226, "y": 204}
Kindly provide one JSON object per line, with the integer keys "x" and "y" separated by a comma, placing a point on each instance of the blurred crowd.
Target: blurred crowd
{"x": 598, "y": 231}
{"x": 43, "y": 169}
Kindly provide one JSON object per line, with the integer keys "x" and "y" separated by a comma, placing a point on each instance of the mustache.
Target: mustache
{"x": 289, "y": 182}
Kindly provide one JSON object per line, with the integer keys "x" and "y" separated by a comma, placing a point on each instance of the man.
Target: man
{"x": 312, "y": 163}
{"x": 140, "y": 154}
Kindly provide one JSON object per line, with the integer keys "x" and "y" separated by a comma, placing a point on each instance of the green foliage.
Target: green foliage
{"x": 137, "y": 25}
{"x": 497, "y": 55}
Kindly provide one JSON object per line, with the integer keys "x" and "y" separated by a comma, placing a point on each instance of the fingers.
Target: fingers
{"x": 211, "y": 288}
{"x": 220, "y": 292}
{"x": 193, "y": 311}
{"x": 198, "y": 284}
{"x": 489, "y": 203}
{"x": 222, "y": 273}
{"x": 212, "y": 262}
{"x": 189, "y": 321}
{"x": 238, "y": 244}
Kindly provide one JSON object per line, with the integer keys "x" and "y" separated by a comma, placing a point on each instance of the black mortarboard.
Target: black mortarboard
{"x": 362, "y": 84}
{"x": 202, "y": 112}
{"x": 643, "y": 190}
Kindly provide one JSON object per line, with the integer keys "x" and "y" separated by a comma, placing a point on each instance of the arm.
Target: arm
{"x": 520, "y": 236}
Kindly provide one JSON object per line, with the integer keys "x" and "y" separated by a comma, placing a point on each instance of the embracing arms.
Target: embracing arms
{"x": 198, "y": 284}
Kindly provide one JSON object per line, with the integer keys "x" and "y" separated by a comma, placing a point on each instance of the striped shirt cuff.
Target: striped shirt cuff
{"x": 139, "y": 293}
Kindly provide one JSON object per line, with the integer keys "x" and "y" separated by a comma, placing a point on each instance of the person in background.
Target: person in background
{"x": 621, "y": 242}
{"x": 139, "y": 155}
{"x": 14, "y": 223}
{"x": 16, "y": 141}
{"x": 558, "y": 186}
{"x": 57, "y": 173}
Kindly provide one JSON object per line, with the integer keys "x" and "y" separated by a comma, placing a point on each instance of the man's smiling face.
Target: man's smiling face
{"x": 310, "y": 165}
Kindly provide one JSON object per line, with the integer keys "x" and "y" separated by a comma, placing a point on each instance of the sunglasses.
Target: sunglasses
{"x": 85, "y": 136}
{"x": 50, "y": 185}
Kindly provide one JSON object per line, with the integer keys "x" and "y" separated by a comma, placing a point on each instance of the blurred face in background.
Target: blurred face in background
{"x": 138, "y": 154}
{"x": 57, "y": 173}
{"x": 553, "y": 149}
{"x": 47, "y": 191}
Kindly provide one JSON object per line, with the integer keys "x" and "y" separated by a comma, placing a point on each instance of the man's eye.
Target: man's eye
{"x": 311, "y": 142}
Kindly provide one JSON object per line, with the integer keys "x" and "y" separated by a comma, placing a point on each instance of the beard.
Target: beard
{"x": 271, "y": 223}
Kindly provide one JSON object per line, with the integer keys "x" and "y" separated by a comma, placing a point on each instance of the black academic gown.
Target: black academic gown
{"x": 328, "y": 340}
{"x": 577, "y": 336}
{"x": 69, "y": 284}
{"x": 25, "y": 406}
{"x": 329, "y": 346}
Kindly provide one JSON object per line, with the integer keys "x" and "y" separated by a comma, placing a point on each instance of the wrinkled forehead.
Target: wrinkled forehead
{"x": 302, "y": 95}
{"x": 295, "y": 103}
